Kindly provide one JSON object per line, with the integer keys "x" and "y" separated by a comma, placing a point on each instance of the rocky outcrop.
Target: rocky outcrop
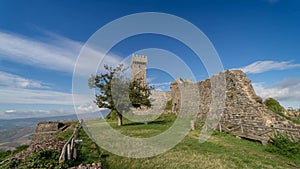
{"x": 47, "y": 145}
{"x": 88, "y": 166}
{"x": 243, "y": 113}
{"x": 292, "y": 113}
{"x": 44, "y": 138}
{"x": 47, "y": 130}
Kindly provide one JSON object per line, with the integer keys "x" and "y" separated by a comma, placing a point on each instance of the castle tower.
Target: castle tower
{"x": 138, "y": 67}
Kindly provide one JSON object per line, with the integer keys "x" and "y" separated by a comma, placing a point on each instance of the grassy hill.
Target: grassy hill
{"x": 220, "y": 151}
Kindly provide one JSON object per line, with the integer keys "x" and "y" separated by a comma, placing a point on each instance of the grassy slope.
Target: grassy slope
{"x": 6, "y": 154}
{"x": 220, "y": 151}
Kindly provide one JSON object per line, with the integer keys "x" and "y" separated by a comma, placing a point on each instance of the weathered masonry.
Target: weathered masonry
{"x": 138, "y": 67}
{"x": 244, "y": 113}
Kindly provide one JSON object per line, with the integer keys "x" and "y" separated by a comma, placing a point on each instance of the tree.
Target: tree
{"x": 139, "y": 93}
{"x": 118, "y": 93}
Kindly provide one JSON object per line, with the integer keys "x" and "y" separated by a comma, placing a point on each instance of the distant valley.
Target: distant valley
{"x": 16, "y": 132}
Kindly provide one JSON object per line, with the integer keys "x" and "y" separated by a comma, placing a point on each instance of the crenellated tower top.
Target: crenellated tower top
{"x": 138, "y": 67}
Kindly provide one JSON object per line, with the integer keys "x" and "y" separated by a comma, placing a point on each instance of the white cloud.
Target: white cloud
{"x": 90, "y": 110}
{"x": 87, "y": 108}
{"x": 7, "y": 79}
{"x": 11, "y": 114}
{"x": 15, "y": 89}
{"x": 54, "y": 53}
{"x": 284, "y": 91}
{"x": 37, "y": 96}
{"x": 266, "y": 92}
{"x": 33, "y": 52}
{"x": 87, "y": 112}
{"x": 57, "y": 53}
{"x": 10, "y": 111}
{"x": 163, "y": 86}
{"x": 263, "y": 66}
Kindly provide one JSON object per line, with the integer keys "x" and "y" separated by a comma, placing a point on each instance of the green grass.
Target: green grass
{"x": 65, "y": 135}
{"x": 135, "y": 129}
{"x": 88, "y": 152}
{"x": 220, "y": 151}
{"x": 282, "y": 145}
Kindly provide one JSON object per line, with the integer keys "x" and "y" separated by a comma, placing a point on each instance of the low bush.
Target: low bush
{"x": 284, "y": 146}
{"x": 6, "y": 154}
{"x": 274, "y": 106}
{"x": 168, "y": 105}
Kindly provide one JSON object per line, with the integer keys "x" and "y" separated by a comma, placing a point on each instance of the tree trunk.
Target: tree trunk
{"x": 120, "y": 119}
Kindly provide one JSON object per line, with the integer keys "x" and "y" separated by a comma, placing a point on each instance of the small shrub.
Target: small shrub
{"x": 284, "y": 146}
{"x": 168, "y": 105}
{"x": 40, "y": 159}
{"x": 199, "y": 124}
{"x": 43, "y": 159}
{"x": 21, "y": 148}
{"x": 6, "y": 154}
{"x": 274, "y": 106}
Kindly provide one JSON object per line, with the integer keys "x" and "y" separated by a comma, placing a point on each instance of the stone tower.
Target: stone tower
{"x": 138, "y": 67}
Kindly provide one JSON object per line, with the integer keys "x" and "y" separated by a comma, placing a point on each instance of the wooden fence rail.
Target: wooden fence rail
{"x": 69, "y": 150}
{"x": 263, "y": 134}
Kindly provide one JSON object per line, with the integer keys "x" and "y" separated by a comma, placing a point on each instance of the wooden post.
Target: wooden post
{"x": 241, "y": 122}
{"x": 62, "y": 156}
{"x": 72, "y": 146}
{"x": 242, "y": 130}
{"x": 192, "y": 124}
{"x": 69, "y": 152}
{"x": 74, "y": 153}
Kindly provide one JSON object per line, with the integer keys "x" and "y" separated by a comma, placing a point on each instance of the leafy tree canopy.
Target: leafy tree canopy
{"x": 118, "y": 93}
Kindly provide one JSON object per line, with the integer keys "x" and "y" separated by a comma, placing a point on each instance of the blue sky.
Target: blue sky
{"x": 40, "y": 41}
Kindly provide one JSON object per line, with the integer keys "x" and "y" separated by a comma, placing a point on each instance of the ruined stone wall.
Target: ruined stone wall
{"x": 47, "y": 130}
{"x": 244, "y": 113}
{"x": 48, "y": 126}
{"x": 176, "y": 94}
{"x": 292, "y": 113}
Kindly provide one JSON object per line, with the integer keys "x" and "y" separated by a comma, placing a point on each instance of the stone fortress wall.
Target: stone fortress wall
{"x": 244, "y": 114}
